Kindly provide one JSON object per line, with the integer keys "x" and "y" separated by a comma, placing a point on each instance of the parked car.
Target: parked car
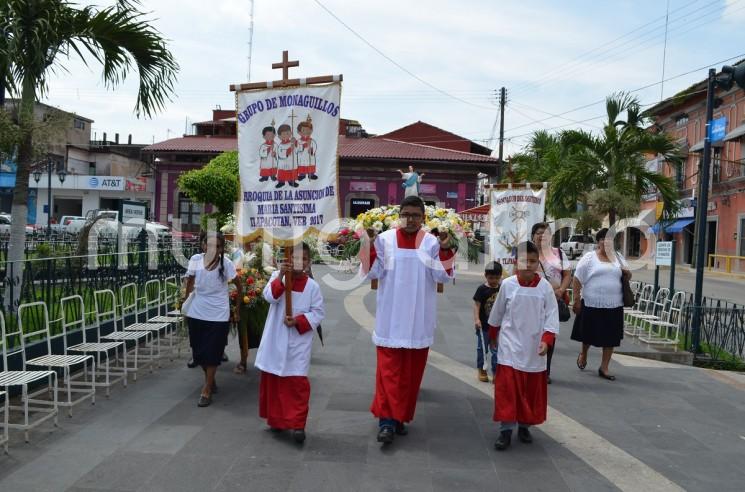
{"x": 577, "y": 245}
{"x": 5, "y": 222}
{"x": 74, "y": 226}
{"x": 59, "y": 228}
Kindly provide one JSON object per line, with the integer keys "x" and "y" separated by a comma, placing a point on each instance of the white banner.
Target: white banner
{"x": 511, "y": 216}
{"x": 287, "y": 146}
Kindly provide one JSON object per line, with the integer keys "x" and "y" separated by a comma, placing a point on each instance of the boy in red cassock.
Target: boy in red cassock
{"x": 525, "y": 317}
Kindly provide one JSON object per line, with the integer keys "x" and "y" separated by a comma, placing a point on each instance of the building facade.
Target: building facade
{"x": 99, "y": 174}
{"x": 683, "y": 117}
{"x": 368, "y": 167}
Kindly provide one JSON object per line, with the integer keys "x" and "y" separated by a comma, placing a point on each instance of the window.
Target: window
{"x": 190, "y": 214}
{"x": 716, "y": 166}
{"x": 681, "y": 120}
{"x": 79, "y": 124}
{"x": 741, "y": 236}
{"x": 679, "y": 176}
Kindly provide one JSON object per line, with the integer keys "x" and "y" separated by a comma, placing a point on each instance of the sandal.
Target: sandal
{"x": 240, "y": 368}
{"x": 581, "y": 366}
{"x": 606, "y": 376}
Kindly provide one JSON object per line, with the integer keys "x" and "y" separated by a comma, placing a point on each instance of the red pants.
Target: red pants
{"x": 397, "y": 380}
{"x": 283, "y": 401}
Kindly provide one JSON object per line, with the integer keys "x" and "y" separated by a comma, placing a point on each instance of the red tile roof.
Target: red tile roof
{"x": 480, "y": 210}
{"x": 195, "y": 144}
{"x": 384, "y": 148}
{"x": 349, "y": 148}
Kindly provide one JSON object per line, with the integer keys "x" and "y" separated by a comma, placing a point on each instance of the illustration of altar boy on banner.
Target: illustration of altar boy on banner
{"x": 268, "y": 154}
{"x": 287, "y": 170}
{"x": 306, "y": 150}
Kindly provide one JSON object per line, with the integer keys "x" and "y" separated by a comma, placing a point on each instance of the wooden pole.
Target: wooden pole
{"x": 288, "y": 281}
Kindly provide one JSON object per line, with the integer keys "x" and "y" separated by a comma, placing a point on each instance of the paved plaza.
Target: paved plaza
{"x": 658, "y": 427}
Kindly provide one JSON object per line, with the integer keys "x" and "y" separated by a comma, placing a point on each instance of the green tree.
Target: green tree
{"x": 216, "y": 183}
{"x": 40, "y": 35}
{"x": 613, "y": 163}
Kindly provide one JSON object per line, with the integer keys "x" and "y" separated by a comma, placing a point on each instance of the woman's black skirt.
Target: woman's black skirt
{"x": 208, "y": 340}
{"x": 599, "y": 327}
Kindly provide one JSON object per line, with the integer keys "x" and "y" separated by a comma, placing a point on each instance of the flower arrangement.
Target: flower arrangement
{"x": 252, "y": 306}
{"x": 436, "y": 219}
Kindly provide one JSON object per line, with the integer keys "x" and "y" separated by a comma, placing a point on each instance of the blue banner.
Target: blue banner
{"x": 718, "y": 129}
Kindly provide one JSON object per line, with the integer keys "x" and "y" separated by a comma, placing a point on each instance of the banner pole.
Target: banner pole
{"x": 288, "y": 281}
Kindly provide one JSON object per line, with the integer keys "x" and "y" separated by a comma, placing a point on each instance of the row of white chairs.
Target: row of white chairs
{"x": 143, "y": 328}
{"x": 656, "y": 317}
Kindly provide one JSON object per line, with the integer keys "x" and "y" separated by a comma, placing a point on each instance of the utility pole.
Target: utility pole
{"x": 502, "y": 103}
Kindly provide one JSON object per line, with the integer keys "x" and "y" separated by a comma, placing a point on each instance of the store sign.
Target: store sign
{"x": 84, "y": 182}
{"x": 133, "y": 213}
{"x": 427, "y": 189}
{"x": 103, "y": 183}
{"x": 451, "y": 194}
{"x": 362, "y": 186}
{"x": 664, "y": 253}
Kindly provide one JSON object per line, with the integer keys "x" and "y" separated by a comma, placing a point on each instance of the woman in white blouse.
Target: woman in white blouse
{"x": 598, "y": 302}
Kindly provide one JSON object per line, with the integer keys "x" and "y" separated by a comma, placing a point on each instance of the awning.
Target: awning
{"x": 699, "y": 147}
{"x": 674, "y": 227}
{"x": 736, "y": 133}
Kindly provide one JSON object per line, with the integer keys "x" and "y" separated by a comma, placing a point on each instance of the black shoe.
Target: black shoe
{"x": 503, "y": 441}
{"x": 280, "y": 184}
{"x": 204, "y": 401}
{"x": 312, "y": 176}
{"x": 274, "y": 178}
{"x": 299, "y": 435}
{"x": 301, "y": 177}
{"x": 294, "y": 184}
{"x": 263, "y": 178}
{"x": 191, "y": 364}
{"x": 523, "y": 433}
{"x": 385, "y": 434}
{"x": 401, "y": 429}
{"x": 224, "y": 357}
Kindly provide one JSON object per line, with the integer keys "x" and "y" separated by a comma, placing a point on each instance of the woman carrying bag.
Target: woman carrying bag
{"x": 557, "y": 270}
{"x": 599, "y": 301}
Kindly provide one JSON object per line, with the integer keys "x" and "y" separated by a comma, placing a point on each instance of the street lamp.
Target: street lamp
{"x": 61, "y": 174}
{"x": 729, "y": 77}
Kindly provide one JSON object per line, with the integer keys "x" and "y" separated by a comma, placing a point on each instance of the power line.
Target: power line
{"x": 606, "y": 56}
{"x": 601, "y": 101}
{"x": 394, "y": 62}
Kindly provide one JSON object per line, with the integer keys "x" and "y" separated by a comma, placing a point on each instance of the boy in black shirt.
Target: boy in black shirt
{"x": 483, "y": 300}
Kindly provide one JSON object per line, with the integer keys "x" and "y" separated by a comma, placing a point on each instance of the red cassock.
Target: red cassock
{"x": 283, "y": 401}
{"x": 397, "y": 380}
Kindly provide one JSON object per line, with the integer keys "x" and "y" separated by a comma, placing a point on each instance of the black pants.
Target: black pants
{"x": 549, "y": 355}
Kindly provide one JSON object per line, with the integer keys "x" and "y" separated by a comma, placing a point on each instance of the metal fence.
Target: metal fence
{"x": 51, "y": 278}
{"x": 721, "y": 332}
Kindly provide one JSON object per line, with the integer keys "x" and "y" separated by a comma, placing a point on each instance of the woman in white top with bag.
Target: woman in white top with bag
{"x": 207, "y": 307}
{"x": 598, "y": 302}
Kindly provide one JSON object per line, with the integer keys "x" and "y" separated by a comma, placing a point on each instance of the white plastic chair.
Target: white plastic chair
{"x": 105, "y": 302}
{"x": 73, "y": 317}
{"x": 129, "y": 308}
{"x": 47, "y": 409}
{"x": 660, "y": 329}
{"x": 4, "y": 435}
{"x": 641, "y": 307}
{"x": 37, "y": 312}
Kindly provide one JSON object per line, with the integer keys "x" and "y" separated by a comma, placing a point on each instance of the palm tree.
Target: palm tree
{"x": 547, "y": 159}
{"x": 615, "y": 160}
{"x": 39, "y": 35}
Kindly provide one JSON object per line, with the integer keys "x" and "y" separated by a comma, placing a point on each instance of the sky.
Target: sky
{"x": 438, "y": 61}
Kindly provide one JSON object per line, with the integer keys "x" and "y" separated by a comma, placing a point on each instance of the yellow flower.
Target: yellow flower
{"x": 246, "y": 300}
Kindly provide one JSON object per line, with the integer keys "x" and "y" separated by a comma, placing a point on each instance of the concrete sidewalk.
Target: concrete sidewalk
{"x": 658, "y": 427}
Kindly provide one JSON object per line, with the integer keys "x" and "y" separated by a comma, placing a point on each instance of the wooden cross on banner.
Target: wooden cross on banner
{"x": 285, "y": 65}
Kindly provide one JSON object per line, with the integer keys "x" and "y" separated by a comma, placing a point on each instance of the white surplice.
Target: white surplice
{"x": 407, "y": 297}
{"x": 283, "y": 350}
{"x": 523, "y": 315}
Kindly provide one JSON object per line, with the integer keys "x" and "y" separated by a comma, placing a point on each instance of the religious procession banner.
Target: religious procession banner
{"x": 511, "y": 216}
{"x": 287, "y": 147}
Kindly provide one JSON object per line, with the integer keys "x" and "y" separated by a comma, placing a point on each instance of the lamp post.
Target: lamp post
{"x": 61, "y": 174}
{"x": 47, "y": 166}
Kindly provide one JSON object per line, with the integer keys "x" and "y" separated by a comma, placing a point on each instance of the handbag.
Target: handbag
{"x": 628, "y": 294}
{"x": 564, "y": 313}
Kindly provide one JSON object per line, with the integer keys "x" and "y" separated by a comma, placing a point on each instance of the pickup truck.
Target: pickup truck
{"x": 577, "y": 245}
